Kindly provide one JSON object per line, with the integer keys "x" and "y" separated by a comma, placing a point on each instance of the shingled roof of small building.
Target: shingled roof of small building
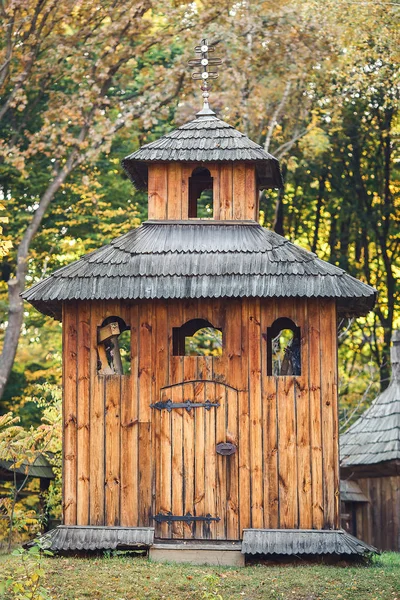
{"x": 200, "y": 259}
{"x": 375, "y": 436}
{"x": 205, "y": 139}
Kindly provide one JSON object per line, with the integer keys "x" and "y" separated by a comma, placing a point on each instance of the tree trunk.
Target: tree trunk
{"x": 321, "y": 191}
{"x": 16, "y": 284}
{"x": 278, "y": 221}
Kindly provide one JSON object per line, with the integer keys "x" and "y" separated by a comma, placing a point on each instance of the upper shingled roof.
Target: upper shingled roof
{"x": 200, "y": 259}
{"x": 375, "y": 436}
{"x": 206, "y": 139}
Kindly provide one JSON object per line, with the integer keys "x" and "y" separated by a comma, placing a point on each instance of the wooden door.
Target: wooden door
{"x": 197, "y": 475}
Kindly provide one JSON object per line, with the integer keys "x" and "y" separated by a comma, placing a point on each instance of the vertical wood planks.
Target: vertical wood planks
{"x": 215, "y": 174}
{"x": 235, "y": 193}
{"x": 244, "y": 432}
{"x": 287, "y": 459}
{"x": 328, "y": 400}
{"x": 70, "y": 346}
{"x": 210, "y": 469}
{"x": 112, "y": 449}
{"x": 174, "y": 204}
{"x": 239, "y": 192}
{"x": 256, "y": 429}
{"x": 251, "y": 193}
{"x": 270, "y": 424}
{"x": 97, "y": 405}
{"x": 83, "y": 420}
{"x": 303, "y": 423}
{"x": 199, "y": 458}
{"x": 158, "y": 191}
{"x": 160, "y": 380}
{"x": 232, "y": 467}
{"x": 226, "y": 191}
{"x": 149, "y": 458}
{"x": 165, "y": 464}
{"x": 314, "y": 366}
{"x": 145, "y": 399}
{"x": 186, "y": 173}
{"x": 288, "y": 507}
{"x": 177, "y": 460}
{"x": 129, "y": 430}
{"x": 221, "y": 461}
{"x": 335, "y": 411}
{"x": 188, "y": 447}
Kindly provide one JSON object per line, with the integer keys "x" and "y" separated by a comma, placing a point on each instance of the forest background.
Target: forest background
{"x": 85, "y": 82}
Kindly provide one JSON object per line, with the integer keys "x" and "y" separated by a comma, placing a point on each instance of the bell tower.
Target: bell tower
{"x": 200, "y": 364}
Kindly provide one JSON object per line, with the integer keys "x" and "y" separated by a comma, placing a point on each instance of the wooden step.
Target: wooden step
{"x": 226, "y": 554}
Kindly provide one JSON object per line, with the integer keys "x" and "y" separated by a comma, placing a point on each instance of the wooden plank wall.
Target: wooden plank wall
{"x": 235, "y": 191}
{"x": 287, "y": 440}
{"x": 378, "y": 522}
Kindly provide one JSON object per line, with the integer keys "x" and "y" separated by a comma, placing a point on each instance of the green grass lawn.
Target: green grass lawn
{"x": 128, "y": 578}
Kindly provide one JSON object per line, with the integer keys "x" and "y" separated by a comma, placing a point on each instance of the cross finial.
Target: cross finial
{"x": 205, "y": 75}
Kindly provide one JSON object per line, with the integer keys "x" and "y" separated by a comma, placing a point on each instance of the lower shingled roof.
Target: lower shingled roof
{"x": 293, "y": 542}
{"x": 200, "y": 259}
{"x": 65, "y": 538}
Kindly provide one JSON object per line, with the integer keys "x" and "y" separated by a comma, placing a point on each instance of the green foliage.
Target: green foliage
{"x": 27, "y": 581}
{"x": 205, "y": 342}
{"x": 134, "y": 578}
{"x": 21, "y": 446}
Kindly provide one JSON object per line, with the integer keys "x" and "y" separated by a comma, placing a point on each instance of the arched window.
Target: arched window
{"x": 114, "y": 347}
{"x": 283, "y": 348}
{"x": 197, "y": 337}
{"x": 200, "y": 194}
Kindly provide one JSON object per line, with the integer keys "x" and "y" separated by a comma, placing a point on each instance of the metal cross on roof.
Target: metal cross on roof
{"x": 205, "y": 75}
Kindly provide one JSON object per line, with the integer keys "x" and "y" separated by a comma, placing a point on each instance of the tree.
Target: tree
{"x": 5, "y": 245}
{"x": 71, "y": 76}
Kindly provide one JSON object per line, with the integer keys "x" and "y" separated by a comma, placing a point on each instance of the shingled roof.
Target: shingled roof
{"x": 205, "y": 139}
{"x": 200, "y": 259}
{"x": 375, "y": 436}
{"x": 40, "y": 467}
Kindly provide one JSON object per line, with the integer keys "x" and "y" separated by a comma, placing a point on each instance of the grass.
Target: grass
{"x": 135, "y": 578}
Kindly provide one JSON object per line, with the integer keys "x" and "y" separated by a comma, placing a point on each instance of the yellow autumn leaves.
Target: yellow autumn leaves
{"x": 4, "y": 244}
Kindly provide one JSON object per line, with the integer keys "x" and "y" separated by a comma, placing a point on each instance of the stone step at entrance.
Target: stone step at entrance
{"x": 227, "y": 554}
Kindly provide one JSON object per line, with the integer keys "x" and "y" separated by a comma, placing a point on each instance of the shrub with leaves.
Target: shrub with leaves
{"x": 21, "y": 447}
{"x": 26, "y": 583}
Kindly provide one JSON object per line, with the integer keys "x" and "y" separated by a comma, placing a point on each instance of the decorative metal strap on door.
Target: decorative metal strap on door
{"x": 188, "y": 518}
{"x": 188, "y": 405}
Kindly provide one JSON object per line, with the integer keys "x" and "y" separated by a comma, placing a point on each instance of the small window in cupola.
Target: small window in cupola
{"x": 200, "y": 194}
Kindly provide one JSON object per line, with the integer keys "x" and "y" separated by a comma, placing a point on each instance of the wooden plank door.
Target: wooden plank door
{"x": 196, "y": 487}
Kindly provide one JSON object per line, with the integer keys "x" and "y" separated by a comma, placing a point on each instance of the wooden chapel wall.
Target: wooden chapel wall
{"x": 378, "y": 521}
{"x": 235, "y": 194}
{"x": 288, "y": 450}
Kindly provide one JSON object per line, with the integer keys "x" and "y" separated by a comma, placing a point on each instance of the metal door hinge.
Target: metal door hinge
{"x": 188, "y": 405}
{"x": 188, "y": 518}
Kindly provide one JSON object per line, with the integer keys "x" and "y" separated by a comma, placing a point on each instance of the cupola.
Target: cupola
{"x": 204, "y": 154}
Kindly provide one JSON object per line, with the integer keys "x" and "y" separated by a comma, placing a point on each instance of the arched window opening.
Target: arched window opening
{"x": 197, "y": 337}
{"x": 113, "y": 347}
{"x": 283, "y": 348}
{"x": 200, "y": 194}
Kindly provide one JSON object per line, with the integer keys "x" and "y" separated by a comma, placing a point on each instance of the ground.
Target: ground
{"x": 125, "y": 577}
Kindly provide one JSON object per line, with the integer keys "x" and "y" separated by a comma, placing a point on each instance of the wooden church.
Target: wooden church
{"x": 370, "y": 461}
{"x": 200, "y": 365}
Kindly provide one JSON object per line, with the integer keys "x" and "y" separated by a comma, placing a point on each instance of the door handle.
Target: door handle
{"x": 226, "y": 448}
